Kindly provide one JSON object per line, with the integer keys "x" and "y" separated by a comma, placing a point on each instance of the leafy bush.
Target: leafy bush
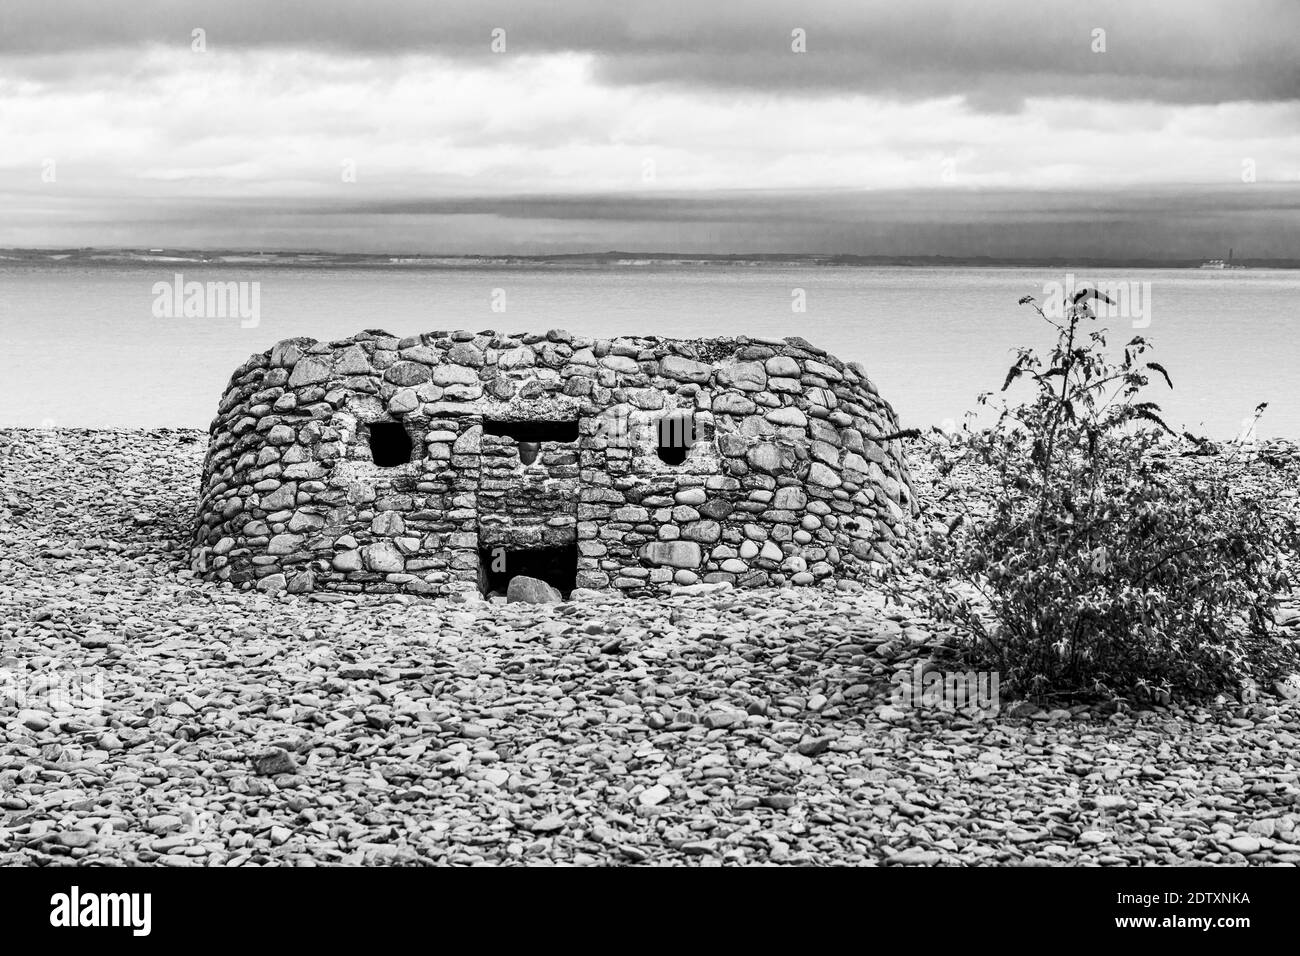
{"x": 1100, "y": 566}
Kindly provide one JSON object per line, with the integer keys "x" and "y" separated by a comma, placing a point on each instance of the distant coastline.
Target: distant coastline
{"x": 613, "y": 258}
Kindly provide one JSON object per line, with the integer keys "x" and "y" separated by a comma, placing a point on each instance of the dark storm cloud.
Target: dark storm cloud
{"x": 1130, "y": 223}
{"x": 1133, "y": 214}
{"x": 994, "y": 52}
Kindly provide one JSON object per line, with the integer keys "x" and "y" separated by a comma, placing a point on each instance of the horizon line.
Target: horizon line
{"x": 598, "y": 254}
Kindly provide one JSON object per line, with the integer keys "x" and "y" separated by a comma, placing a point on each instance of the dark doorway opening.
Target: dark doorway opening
{"x": 533, "y": 431}
{"x": 558, "y": 567}
{"x": 390, "y": 445}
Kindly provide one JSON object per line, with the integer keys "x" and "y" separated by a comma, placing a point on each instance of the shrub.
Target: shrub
{"x": 1100, "y": 567}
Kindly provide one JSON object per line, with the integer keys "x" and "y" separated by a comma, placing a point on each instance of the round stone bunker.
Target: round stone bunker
{"x": 448, "y": 462}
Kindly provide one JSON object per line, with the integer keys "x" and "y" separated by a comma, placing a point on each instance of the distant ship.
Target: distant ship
{"x": 1221, "y": 263}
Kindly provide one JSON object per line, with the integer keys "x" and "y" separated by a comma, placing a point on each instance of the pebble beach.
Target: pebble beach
{"x": 208, "y": 726}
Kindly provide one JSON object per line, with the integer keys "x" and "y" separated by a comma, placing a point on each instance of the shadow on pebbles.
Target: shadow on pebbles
{"x": 147, "y": 717}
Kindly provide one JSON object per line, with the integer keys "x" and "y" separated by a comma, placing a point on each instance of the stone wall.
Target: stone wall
{"x": 789, "y": 478}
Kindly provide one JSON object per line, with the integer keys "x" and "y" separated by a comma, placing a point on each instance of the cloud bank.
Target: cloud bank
{"x": 120, "y": 127}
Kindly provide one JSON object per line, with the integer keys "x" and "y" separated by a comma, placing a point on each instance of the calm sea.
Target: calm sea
{"x": 81, "y": 344}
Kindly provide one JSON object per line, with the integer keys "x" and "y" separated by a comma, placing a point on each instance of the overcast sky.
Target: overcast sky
{"x": 917, "y": 127}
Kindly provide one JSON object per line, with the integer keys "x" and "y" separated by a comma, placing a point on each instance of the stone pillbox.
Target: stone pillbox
{"x": 453, "y": 461}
